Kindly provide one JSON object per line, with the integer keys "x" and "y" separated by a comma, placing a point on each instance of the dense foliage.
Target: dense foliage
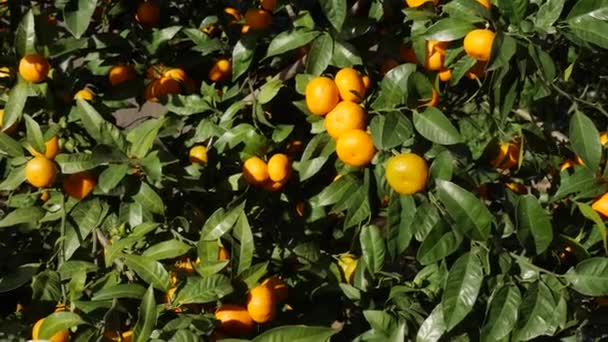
{"x": 167, "y": 172}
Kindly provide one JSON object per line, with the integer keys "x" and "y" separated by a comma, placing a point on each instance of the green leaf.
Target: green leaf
{"x": 242, "y": 55}
{"x": 461, "y": 67}
{"x": 16, "y": 278}
{"x": 319, "y": 57}
{"x": 269, "y": 90}
{"x": 461, "y": 289}
{"x": 335, "y": 12}
{"x": 439, "y": 243}
{"x": 17, "y": 97}
{"x": 290, "y": 40}
{"x": 514, "y": 9}
{"x": 147, "y": 317}
{"x": 102, "y": 131}
{"x": 149, "y": 199}
{"x": 142, "y": 137}
{"x": 57, "y": 322}
{"x": 77, "y": 16}
{"x": 587, "y": 20}
{"x": 535, "y": 313}
{"x": 34, "y": 134}
{"x": 400, "y": 216}
{"x": 443, "y": 166}
{"x": 242, "y": 232}
{"x": 591, "y": 214}
{"x": 534, "y": 228}
{"x": 590, "y": 277}
{"x": 469, "y": 10}
{"x": 188, "y": 104}
{"x": 203, "y": 289}
{"x": 585, "y": 140}
{"x": 220, "y": 222}
{"x": 372, "y": 248}
{"x": 253, "y": 274}
{"x": 448, "y": 29}
{"x": 390, "y": 130}
{"x": 548, "y": 14}
{"x": 131, "y": 291}
{"x": 168, "y": 249}
{"x": 433, "y": 326}
{"x": 112, "y": 176}
{"x": 22, "y": 215}
{"x": 149, "y": 270}
{"x": 502, "y": 314}
{"x": 334, "y": 192}
{"x": 296, "y": 333}
{"x": 86, "y": 216}
{"x": 436, "y": 127}
{"x": 506, "y": 47}
{"x": 345, "y": 55}
{"x": 9, "y": 146}
{"x": 394, "y": 87}
{"x": 470, "y": 216}
{"x": 25, "y": 37}
{"x": 160, "y": 37}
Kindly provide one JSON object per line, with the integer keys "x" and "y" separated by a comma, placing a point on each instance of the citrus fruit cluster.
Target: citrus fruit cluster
{"x": 261, "y": 307}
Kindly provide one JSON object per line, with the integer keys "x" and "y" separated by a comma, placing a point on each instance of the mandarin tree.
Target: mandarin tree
{"x": 310, "y": 170}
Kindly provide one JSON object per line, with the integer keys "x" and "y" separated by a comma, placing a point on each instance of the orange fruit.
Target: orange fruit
{"x": 344, "y": 117}
{"x": 234, "y": 319}
{"x": 603, "y": 135}
{"x": 434, "y": 100}
{"x": 258, "y": 19}
{"x": 507, "y": 157}
{"x": 34, "y": 68}
{"x": 417, "y": 3}
{"x": 350, "y": 85}
{"x": 477, "y": 71}
{"x": 180, "y": 75}
{"x": 348, "y": 264}
{"x": 601, "y": 205}
{"x": 322, "y": 95}
{"x": 185, "y": 265}
{"x": 277, "y": 286}
{"x": 165, "y": 86}
{"x": 478, "y": 44}
{"x": 113, "y": 336}
{"x": 367, "y": 83}
{"x": 85, "y": 94}
{"x": 120, "y": 74}
{"x": 485, "y": 3}
{"x": 198, "y": 154}
{"x": 407, "y": 173}
{"x": 570, "y": 163}
{"x": 51, "y": 149}
{"x": 148, "y": 13}
{"x": 355, "y": 148}
{"x": 517, "y": 188}
{"x": 236, "y": 16}
{"x": 223, "y": 254}
{"x": 220, "y": 71}
{"x": 435, "y": 55}
{"x": 44, "y": 196}
{"x": 295, "y": 146}
{"x": 255, "y": 171}
{"x": 268, "y": 5}
{"x": 261, "y": 304}
{"x": 445, "y": 75}
{"x": 61, "y": 336}
{"x": 8, "y": 130}
{"x": 80, "y": 185}
{"x": 272, "y": 186}
{"x": 40, "y": 172}
{"x": 279, "y": 167}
